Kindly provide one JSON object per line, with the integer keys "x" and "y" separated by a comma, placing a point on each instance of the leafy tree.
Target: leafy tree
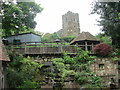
{"x": 110, "y": 19}
{"x": 67, "y": 38}
{"x": 102, "y": 49}
{"x": 21, "y": 72}
{"x": 46, "y": 37}
{"x": 104, "y": 39}
{"x": 50, "y": 37}
{"x": 19, "y": 17}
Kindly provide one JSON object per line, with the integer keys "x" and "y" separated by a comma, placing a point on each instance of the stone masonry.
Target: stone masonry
{"x": 108, "y": 70}
{"x": 70, "y": 25}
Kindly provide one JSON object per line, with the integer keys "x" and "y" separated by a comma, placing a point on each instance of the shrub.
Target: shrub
{"x": 102, "y": 49}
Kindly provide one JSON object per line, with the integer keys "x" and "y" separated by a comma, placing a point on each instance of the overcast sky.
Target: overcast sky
{"x": 50, "y": 19}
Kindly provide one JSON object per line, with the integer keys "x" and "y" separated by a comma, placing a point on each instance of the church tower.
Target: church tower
{"x": 70, "y": 25}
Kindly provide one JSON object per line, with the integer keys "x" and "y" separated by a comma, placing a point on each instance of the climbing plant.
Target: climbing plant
{"x": 78, "y": 67}
{"x": 21, "y": 72}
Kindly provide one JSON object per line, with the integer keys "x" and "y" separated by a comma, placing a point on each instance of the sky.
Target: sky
{"x": 50, "y": 19}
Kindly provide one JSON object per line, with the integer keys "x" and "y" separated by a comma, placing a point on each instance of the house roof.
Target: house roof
{"x": 3, "y": 54}
{"x": 25, "y": 33}
{"x": 84, "y": 36}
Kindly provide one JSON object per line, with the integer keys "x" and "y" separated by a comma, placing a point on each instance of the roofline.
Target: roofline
{"x": 84, "y": 40}
{"x": 25, "y": 33}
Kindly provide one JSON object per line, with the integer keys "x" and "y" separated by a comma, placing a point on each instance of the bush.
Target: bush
{"x": 102, "y": 49}
{"x": 68, "y": 38}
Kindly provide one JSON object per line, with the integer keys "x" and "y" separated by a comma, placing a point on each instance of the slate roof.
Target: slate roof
{"x": 25, "y": 33}
{"x": 3, "y": 54}
{"x": 84, "y": 36}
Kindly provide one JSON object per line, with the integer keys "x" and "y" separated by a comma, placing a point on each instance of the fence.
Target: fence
{"x": 42, "y": 48}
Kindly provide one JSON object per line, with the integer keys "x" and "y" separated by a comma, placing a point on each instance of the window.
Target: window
{"x": 101, "y": 66}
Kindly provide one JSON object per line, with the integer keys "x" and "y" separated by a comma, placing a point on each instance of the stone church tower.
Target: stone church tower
{"x": 70, "y": 25}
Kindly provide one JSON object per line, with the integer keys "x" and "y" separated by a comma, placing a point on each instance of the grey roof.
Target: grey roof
{"x": 25, "y": 33}
{"x": 84, "y": 36}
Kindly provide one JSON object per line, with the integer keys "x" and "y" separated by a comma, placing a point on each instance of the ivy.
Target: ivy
{"x": 77, "y": 67}
{"x": 21, "y": 72}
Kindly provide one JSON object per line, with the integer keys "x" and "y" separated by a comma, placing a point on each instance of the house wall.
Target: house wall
{"x": 25, "y": 38}
{"x": 107, "y": 69}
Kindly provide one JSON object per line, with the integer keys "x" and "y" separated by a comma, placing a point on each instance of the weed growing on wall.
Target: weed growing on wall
{"x": 21, "y": 72}
{"x": 77, "y": 68}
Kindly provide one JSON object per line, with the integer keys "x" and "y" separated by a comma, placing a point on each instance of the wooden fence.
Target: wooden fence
{"x": 47, "y": 48}
{"x": 43, "y": 49}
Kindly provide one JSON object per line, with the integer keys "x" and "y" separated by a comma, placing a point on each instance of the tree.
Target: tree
{"x": 50, "y": 37}
{"x": 110, "y": 19}
{"x": 104, "y": 38}
{"x": 19, "y": 17}
{"x": 102, "y": 49}
{"x": 68, "y": 38}
{"x": 22, "y": 72}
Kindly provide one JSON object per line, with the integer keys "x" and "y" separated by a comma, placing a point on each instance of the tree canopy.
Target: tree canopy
{"x": 110, "y": 19}
{"x": 19, "y": 17}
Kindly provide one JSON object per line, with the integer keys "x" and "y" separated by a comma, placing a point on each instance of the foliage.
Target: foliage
{"x": 81, "y": 78}
{"x": 67, "y": 38}
{"x": 95, "y": 82}
{"x": 68, "y": 59}
{"x": 50, "y": 37}
{"x": 19, "y": 17}
{"x": 104, "y": 39}
{"x": 78, "y": 67}
{"x": 116, "y": 59}
{"x": 29, "y": 84}
{"x": 102, "y": 49}
{"x": 0, "y": 33}
{"x": 83, "y": 56}
{"x": 21, "y": 72}
{"x": 110, "y": 19}
{"x": 116, "y": 52}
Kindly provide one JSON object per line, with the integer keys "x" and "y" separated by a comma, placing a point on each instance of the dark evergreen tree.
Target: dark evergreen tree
{"x": 110, "y": 19}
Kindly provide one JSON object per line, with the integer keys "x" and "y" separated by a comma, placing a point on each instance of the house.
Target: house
{"x": 30, "y": 38}
{"x": 85, "y": 40}
{"x": 3, "y": 58}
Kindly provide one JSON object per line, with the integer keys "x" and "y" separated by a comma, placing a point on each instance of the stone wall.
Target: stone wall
{"x": 107, "y": 69}
{"x": 1, "y": 75}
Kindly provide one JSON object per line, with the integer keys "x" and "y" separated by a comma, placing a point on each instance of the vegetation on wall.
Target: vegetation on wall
{"x": 77, "y": 68}
{"x": 21, "y": 72}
